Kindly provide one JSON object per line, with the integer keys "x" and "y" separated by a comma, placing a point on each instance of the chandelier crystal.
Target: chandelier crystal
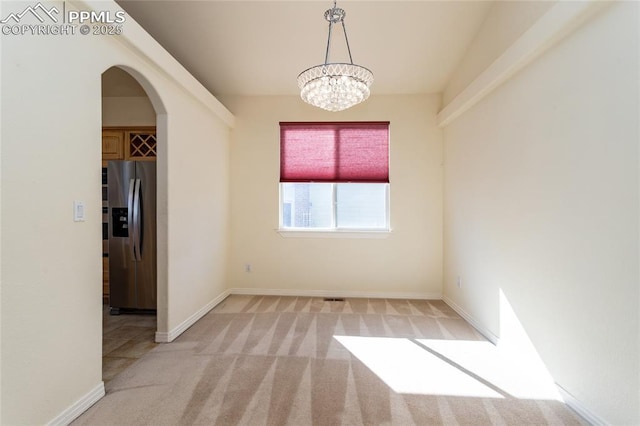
{"x": 335, "y": 86}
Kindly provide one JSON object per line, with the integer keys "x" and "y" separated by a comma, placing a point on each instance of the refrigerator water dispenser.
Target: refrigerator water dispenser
{"x": 119, "y": 220}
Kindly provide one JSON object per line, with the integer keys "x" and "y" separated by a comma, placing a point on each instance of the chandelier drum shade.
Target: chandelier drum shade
{"x": 335, "y": 86}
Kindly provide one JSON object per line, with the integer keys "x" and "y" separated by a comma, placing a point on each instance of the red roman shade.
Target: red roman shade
{"x": 334, "y": 152}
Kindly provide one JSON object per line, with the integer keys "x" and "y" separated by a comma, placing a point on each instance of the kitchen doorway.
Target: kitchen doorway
{"x": 129, "y": 240}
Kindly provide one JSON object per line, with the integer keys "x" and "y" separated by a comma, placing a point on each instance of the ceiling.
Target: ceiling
{"x": 239, "y": 47}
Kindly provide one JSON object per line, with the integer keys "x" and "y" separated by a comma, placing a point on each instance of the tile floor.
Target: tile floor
{"x": 125, "y": 338}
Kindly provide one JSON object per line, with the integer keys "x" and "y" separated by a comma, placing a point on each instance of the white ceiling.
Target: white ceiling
{"x": 239, "y": 47}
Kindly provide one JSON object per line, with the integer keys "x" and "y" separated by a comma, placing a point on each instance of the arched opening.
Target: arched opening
{"x": 134, "y": 238}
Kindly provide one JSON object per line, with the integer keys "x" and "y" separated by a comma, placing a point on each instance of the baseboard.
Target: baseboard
{"x": 579, "y": 408}
{"x": 166, "y": 337}
{"x": 171, "y": 335}
{"x": 79, "y": 407}
{"x": 471, "y": 320}
{"x": 327, "y": 293}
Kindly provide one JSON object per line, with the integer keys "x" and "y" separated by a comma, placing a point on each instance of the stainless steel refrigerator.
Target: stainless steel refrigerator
{"x": 132, "y": 236}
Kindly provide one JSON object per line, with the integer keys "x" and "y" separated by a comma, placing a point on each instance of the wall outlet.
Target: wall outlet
{"x": 459, "y": 282}
{"x": 247, "y": 267}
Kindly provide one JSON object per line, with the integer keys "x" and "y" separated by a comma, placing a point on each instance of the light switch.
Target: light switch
{"x": 78, "y": 211}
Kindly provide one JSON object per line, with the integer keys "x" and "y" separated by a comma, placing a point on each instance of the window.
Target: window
{"x": 334, "y": 176}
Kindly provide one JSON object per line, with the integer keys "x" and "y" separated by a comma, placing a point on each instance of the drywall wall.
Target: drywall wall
{"x": 505, "y": 22}
{"x": 124, "y": 101}
{"x": 51, "y": 266}
{"x": 198, "y": 211}
{"x": 127, "y": 111}
{"x": 541, "y": 203}
{"x": 408, "y": 261}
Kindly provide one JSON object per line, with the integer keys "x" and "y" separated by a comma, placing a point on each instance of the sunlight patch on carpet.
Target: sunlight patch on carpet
{"x": 410, "y": 369}
{"x": 512, "y": 369}
{"x": 518, "y": 375}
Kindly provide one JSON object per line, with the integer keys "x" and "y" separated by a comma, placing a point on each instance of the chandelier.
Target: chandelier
{"x": 335, "y": 86}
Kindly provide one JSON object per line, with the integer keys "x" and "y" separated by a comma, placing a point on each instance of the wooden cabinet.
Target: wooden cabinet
{"x": 140, "y": 145}
{"x": 129, "y": 143}
{"x": 112, "y": 145}
{"x": 105, "y": 280}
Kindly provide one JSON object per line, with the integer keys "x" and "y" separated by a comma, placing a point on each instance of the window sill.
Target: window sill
{"x": 324, "y": 233}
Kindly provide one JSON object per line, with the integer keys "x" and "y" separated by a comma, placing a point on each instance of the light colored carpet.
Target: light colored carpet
{"x": 257, "y": 360}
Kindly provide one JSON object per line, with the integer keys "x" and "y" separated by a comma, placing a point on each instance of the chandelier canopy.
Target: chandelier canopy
{"x": 335, "y": 86}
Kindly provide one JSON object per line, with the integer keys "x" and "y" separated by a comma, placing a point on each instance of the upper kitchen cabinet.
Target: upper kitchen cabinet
{"x": 112, "y": 144}
{"x": 137, "y": 144}
{"x": 140, "y": 145}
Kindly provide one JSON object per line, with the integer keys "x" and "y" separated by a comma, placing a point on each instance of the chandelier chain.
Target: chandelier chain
{"x": 326, "y": 56}
{"x": 347, "y": 40}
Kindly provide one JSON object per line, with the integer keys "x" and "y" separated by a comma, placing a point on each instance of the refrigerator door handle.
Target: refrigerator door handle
{"x": 130, "y": 220}
{"x": 137, "y": 226}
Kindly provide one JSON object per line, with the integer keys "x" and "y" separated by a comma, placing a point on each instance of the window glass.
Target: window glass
{"x": 361, "y": 206}
{"x": 357, "y": 206}
{"x": 307, "y": 205}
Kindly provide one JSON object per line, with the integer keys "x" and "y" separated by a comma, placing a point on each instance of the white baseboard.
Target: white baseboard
{"x": 331, "y": 293}
{"x": 79, "y": 407}
{"x": 471, "y": 320}
{"x": 579, "y": 408}
{"x": 171, "y": 335}
{"x": 166, "y": 337}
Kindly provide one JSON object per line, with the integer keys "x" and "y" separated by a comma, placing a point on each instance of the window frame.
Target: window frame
{"x": 334, "y": 213}
{"x": 335, "y": 230}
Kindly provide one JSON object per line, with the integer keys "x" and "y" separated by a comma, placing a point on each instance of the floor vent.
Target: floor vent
{"x": 334, "y": 299}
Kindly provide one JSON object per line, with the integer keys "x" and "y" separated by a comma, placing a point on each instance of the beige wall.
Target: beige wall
{"x": 408, "y": 261}
{"x": 51, "y": 266}
{"x": 541, "y": 202}
{"x": 127, "y": 111}
{"x": 198, "y": 217}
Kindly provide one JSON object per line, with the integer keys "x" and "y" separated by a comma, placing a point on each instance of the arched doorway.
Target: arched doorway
{"x": 134, "y": 188}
